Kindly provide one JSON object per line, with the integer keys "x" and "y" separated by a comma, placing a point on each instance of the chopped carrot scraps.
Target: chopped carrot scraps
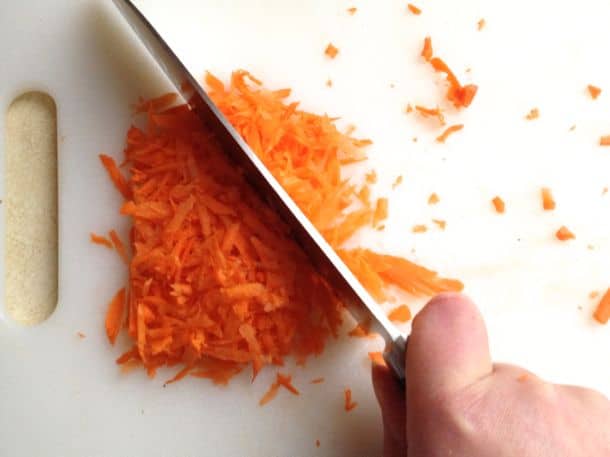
{"x": 381, "y": 211}
{"x": 548, "y": 202}
{"x": 481, "y": 24}
{"x": 604, "y": 140}
{"x": 400, "y": 314}
{"x": 317, "y": 443}
{"x": 440, "y": 223}
{"x": 499, "y": 205}
{"x": 409, "y": 108}
{"x": 431, "y": 112}
{"x": 433, "y": 199}
{"x": 449, "y": 131}
{"x": 420, "y": 228}
{"x": 285, "y": 381}
{"x": 352, "y": 10}
{"x": 270, "y": 394}
{"x": 371, "y": 177}
{"x": 397, "y": 182}
{"x": 414, "y": 9}
{"x": 602, "y": 312}
{"x": 594, "y": 294}
{"x": 101, "y": 240}
{"x": 361, "y": 330}
{"x": 533, "y": 114}
{"x": 349, "y": 403}
{"x": 115, "y": 175}
{"x": 281, "y": 380}
{"x": 317, "y": 381}
{"x": 427, "y": 51}
{"x": 594, "y": 91}
{"x": 564, "y": 234}
{"x": 331, "y": 51}
{"x": 119, "y": 246}
{"x": 329, "y": 83}
{"x": 377, "y": 358}
{"x": 81, "y": 335}
{"x": 114, "y": 315}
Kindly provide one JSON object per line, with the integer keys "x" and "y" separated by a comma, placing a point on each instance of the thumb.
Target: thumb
{"x": 448, "y": 349}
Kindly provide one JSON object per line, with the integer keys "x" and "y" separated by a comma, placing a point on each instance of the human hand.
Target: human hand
{"x": 459, "y": 404}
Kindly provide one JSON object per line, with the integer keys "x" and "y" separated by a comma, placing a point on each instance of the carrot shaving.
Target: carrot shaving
{"x": 81, "y": 335}
{"x": 329, "y": 83}
{"x": 400, "y": 314}
{"x": 427, "y": 51}
{"x": 119, "y": 246}
{"x": 115, "y": 175}
{"x": 420, "y": 228}
{"x": 602, "y": 312}
{"x": 114, "y": 315}
{"x": 593, "y": 294}
{"x": 564, "y": 234}
{"x": 377, "y": 358}
{"x": 481, "y": 24}
{"x": 604, "y": 140}
{"x": 361, "y": 330}
{"x": 352, "y": 10}
{"x": 448, "y": 132}
{"x": 216, "y": 283}
{"x": 440, "y": 223}
{"x": 409, "y": 109}
{"x": 548, "y": 202}
{"x": 594, "y": 91}
{"x": 499, "y": 205}
{"x": 431, "y": 112}
{"x": 101, "y": 240}
{"x": 381, "y": 211}
{"x": 285, "y": 381}
{"x": 317, "y": 381}
{"x": 414, "y": 9}
{"x": 349, "y": 403}
{"x": 270, "y": 394}
{"x": 433, "y": 199}
{"x": 397, "y": 182}
{"x": 533, "y": 114}
{"x": 331, "y": 51}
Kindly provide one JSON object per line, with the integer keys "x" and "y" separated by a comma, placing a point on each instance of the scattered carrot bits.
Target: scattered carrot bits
{"x": 427, "y": 51}
{"x": 499, "y": 205}
{"x": 593, "y": 294}
{"x": 440, "y": 223}
{"x": 119, "y": 246}
{"x": 414, "y": 9}
{"x": 533, "y": 114}
{"x": 114, "y": 315}
{"x": 317, "y": 381}
{"x": 400, "y": 314}
{"x": 329, "y": 83}
{"x": 115, "y": 175}
{"x": 377, "y": 358}
{"x": 433, "y": 199}
{"x": 352, "y": 10}
{"x": 270, "y": 394}
{"x": 361, "y": 330}
{"x": 431, "y": 112}
{"x": 602, "y": 312}
{"x": 481, "y": 24}
{"x": 285, "y": 381}
{"x": 548, "y": 202}
{"x": 371, "y": 177}
{"x": 448, "y": 132}
{"x": 409, "y": 108}
{"x": 331, "y": 51}
{"x": 604, "y": 140}
{"x": 594, "y": 91}
{"x": 397, "y": 182}
{"x": 349, "y": 403}
{"x": 564, "y": 234}
{"x": 420, "y": 228}
{"x": 381, "y": 211}
{"x": 81, "y": 335}
{"x": 98, "y": 239}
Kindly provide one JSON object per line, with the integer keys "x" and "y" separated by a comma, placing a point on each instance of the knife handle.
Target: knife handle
{"x": 395, "y": 357}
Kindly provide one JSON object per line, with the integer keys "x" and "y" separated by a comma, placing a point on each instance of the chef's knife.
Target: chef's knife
{"x": 323, "y": 257}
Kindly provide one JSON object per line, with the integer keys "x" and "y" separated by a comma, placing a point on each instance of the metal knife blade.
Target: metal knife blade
{"x": 323, "y": 257}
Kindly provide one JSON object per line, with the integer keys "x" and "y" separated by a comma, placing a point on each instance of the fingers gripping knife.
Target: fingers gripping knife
{"x": 323, "y": 257}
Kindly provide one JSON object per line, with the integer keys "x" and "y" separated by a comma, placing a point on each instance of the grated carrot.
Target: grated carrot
{"x": 397, "y": 182}
{"x": 317, "y": 381}
{"x": 533, "y": 114}
{"x": 427, "y": 51}
{"x": 329, "y": 83}
{"x": 414, "y": 9}
{"x": 101, "y": 240}
{"x": 440, "y": 223}
{"x": 431, "y": 112}
{"x": 352, "y": 10}
{"x": 349, "y": 404}
{"x": 331, "y": 51}
{"x": 449, "y": 131}
{"x": 119, "y": 246}
{"x": 377, "y": 358}
{"x": 548, "y": 202}
{"x": 602, "y": 312}
{"x": 594, "y": 91}
{"x": 481, "y": 24}
{"x": 420, "y": 228}
{"x": 604, "y": 140}
{"x": 433, "y": 199}
{"x": 381, "y": 211}
{"x": 115, "y": 175}
{"x": 400, "y": 314}
{"x": 499, "y": 205}
{"x": 114, "y": 315}
{"x": 285, "y": 381}
{"x": 564, "y": 234}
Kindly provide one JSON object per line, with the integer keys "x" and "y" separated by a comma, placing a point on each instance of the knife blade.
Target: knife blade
{"x": 321, "y": 254}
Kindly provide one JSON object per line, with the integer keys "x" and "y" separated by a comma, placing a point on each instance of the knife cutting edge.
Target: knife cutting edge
{"x": 321, "y": 254}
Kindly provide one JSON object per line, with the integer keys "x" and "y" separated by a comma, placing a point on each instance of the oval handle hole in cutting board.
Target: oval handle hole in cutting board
{"x": 31, "y": 208}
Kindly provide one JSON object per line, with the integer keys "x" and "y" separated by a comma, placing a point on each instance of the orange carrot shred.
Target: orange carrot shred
{"x": 331, "y": 51}
{"x": 352, "y": 10}
{"x": 119, "y": 246}
{"x": 533, "y": 114}
{"x": 409, "y": 108}
{"x": 270, "y": 394}
{"x": 448, "y": 132}
{"x": 602, "y": 312}
{"x": 440, "y": 223}
{"x": 594, "y": 294}
{"x": 420, "y": 228}
{"x": 81, "y": 335}
{"x": 377, "y": 358}
{"x": 433, "y": 199}
{"x": 349, "y": 403}
{"x": 564, "y": 234}
{"x": 381, "y": 211}
{"x": 594, "y": 91}
{"x": 400, "y": 314}
{"x": 414, "y": 9}
{"x": 114, "y": 315}
{"x": 604, "y": 140}
{"x": 499, "y": 205}
{"x": 286, "y": 382}
{"x": 548, "y": 202}
{"x": 317, "y": 381}
{"x": 481, "y": 24}
{"x": 397, "y": 182}
{"x": 115, "y": 175}
{"x": 427, "y": 51}
{"x": 98, "y": 239}
{"x": 431, "y": 112}
{"x": 329, "y": 83}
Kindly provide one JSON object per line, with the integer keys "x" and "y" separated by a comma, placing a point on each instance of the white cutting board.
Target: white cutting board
{"x": 62, "y": 396}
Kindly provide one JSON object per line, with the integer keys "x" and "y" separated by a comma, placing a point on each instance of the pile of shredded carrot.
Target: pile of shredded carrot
{"x": 215, "y": 280}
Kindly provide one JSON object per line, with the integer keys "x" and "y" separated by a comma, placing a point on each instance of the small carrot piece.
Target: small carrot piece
{"x": 499, "y": 205}
{"x": 604, "y": 140}
{"x": 286, "y": 382}
{"x": 420, "y": 228}
{"x": 331, "y": 51}
{"x": 594, "y": 91}
{"x": 427, "y": 51}
{"x": 381, "y": 211}
{"x": 114, "y": 315}
{"x": 119, "y": 246}
{"x": 431, "y": 112}
{"x": 101, "y": 240}
{"x": 533, "y": 114}
{"x": 270, "y": 394}
{"x": 329, "y": 83}
{"x": 414, "y": 9}
{"x": 81, "y": 335}
{"x": 400, "y": 314}
{"x": 481, "y": 24}
{"x": 449, "y": 131}
{"x": 548, "y": 202}
{"x": 377, "y": 358}
{"x": 352, "y": 10}
{"x": 440, "y": 223}
{"x": 602, "y": 312}
{"x": 349, "y": 403}
{"x": 397, "y": 182}
{"x": 564, "y": 234}
{"x": 317, "y": 381}
{"x": 115, "y": 175}
{"x": 433, "y": 199}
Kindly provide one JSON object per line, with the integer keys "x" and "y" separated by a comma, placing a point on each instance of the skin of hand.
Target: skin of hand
{"x": 460, "y": 404}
